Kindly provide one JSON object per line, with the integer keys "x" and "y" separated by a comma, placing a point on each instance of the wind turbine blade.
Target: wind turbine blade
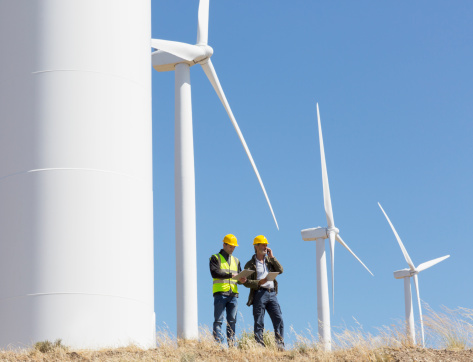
{"x": 404, "y": 251}
{"x": 203, "y": 23}
{"x": 185, "y": 51}
{"x": 210, "y": 72}
{"x": 332, "y": 257}
{"x": 339, "y": 239}
{"x": 430, "y": 263}
{"x": 327, "y": 200}
{"x": 416, "y": 282}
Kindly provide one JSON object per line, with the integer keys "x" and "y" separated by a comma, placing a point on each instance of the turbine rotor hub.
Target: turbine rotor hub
{"x": 207, "y": 50}
{"x": 333, "y": 229}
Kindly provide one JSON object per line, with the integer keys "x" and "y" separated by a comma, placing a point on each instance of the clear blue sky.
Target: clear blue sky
{"x": 394, "y": 81}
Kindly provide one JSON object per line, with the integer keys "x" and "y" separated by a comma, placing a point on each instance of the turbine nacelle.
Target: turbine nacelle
{"x": 318, "y": 233}
{"x": 404, "y": 273}
{"x": 165, "y": 60}
{"x": 314, "y": 233}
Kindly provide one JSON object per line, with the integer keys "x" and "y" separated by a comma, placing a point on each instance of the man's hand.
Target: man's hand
{"x": 242, "y": 280}
{"x": 270, "y": 253}
{"x": 262, "y": 281}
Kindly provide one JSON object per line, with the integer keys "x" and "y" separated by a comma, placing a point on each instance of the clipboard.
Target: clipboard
{"x": 271, "y": 276}
{"x": 244, "y": 274}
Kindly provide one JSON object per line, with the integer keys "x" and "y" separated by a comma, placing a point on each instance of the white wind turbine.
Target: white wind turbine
{"x": 319, "y": 234}
{"x": 179, "y": 57}
{"x": 406, "y": 274}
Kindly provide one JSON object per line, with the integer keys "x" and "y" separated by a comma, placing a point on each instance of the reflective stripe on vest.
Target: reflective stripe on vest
{"x": 219, "y": 281}
{"x": 225, "y": 285}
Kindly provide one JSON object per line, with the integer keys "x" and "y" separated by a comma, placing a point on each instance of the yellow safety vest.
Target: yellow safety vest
{"x": 225, "y": 285}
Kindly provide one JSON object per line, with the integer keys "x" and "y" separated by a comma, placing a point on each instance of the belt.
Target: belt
{"x": 271, "y": 290}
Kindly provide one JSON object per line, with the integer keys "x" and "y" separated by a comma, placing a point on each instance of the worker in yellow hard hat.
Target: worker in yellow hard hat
{"x": 264, "y": 290}
{"x": 223, "y": 268}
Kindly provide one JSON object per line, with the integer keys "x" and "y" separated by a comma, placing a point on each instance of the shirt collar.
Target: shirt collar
{"x": 224, "y": 254}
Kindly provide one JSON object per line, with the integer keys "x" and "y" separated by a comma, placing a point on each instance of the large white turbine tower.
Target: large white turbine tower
{"x": 406, "y": 274}
{"x": 179, "y": 57}
{"x": 319, "y": 234}
{"x": 76, "y": 212}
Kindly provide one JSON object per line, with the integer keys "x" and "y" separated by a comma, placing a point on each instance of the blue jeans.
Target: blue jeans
{"x": 263, "y": 301}
{"x": 229, "y": 304}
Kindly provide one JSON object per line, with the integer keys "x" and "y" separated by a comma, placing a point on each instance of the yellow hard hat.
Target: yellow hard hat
{"x": 260, "y": 239}
{"x": 230, "y": 239}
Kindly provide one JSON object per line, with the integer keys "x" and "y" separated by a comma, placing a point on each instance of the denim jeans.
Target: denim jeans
{"x": 229, "y": 304}
{"x": 263, "y": 301}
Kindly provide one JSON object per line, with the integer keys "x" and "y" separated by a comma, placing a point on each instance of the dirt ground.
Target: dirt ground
{"x": 419, "y": 354}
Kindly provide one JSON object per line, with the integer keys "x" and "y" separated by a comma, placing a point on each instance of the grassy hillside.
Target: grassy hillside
{"x": 448, "y": 334}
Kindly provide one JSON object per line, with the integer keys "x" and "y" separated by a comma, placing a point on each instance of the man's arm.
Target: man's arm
{"x": 251, "y": 282}
{"x": 276, "y": 266}
{"x": 215, "y": 270}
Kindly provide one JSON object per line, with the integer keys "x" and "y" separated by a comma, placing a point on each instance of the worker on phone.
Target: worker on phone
{"x": 263, "y": 293}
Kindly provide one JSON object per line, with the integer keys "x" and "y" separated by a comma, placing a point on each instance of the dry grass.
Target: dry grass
{"x": 450, "y": 330}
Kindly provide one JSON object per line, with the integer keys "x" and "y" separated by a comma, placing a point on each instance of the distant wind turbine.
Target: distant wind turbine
{"x": 406, "y": 274}
{"x": 319, "y": 234}
{"x": 179, "y": 57}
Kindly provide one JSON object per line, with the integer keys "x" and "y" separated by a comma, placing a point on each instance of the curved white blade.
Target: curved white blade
{"x": 332, "y": 257}
{"x": 430, "y": 263}
{"x": 210, "y": 72}
{"x": 203, "y": 23}
{"x": 327, "y": 200}
{"x": 339, "y": 239}
{"x": 404, "y": 251}
{"x": 185, "y": 51}
{"x": 416, "y": 282}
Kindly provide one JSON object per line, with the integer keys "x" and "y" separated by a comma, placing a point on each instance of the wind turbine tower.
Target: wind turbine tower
{"x": 319, "y": 234}
{"x": 76, "y": 212}
{"x": 179, "y": 57}
{"x": 407, "y": 274}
